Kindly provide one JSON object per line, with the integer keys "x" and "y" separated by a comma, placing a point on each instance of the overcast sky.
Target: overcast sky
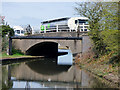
{"x": 23, "y": 13}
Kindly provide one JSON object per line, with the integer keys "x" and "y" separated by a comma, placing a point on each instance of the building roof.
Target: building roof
{"x": 17, "y": 27}
{"x": 55, "y": 20}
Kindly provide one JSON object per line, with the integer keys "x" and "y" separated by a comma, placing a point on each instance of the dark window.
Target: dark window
{"x": 85, "y": 29}
{"x": 83, "y": 21}
{"x": 81, "y": 29}
{"x": 18, "y": 31}
{"x": 75, "y": 21}
{"x": 85, "y": 26}
{"x": 81, "y": 26}
{"x": 22, "y": 31}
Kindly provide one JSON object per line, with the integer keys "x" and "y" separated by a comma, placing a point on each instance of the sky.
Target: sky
{"x": 33, "y": 13}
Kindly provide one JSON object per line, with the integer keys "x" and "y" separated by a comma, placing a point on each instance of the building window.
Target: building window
{"x": 85, "y": 29}
{"x": 81, "y": 26}
{"x": 81, "y": 29}
{"x": 75, "y": 21}
{"x": 85, "y": 26}
{"x": 22, "y": 31}
{"x": 17, "y": 31}
{"x": 86, "y": 23}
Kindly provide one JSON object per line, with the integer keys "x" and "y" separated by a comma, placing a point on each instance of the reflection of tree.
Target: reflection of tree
{"x": 6, "y": 84}
{"x": 7, "y": 87}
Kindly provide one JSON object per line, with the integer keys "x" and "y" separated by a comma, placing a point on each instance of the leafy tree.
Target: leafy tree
{"x": 110, "y": 16}
{"x": 111, "y": 39}
{"x": 6, "y": 29}
{"x": 102, "y": 16}
{"x": 28, "y": 30}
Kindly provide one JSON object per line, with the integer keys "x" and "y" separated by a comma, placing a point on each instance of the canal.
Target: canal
{"x": 58, "y": 72}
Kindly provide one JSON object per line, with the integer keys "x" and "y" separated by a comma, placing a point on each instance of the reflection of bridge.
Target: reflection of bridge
{"x": 48, "y": 43}
{"x": 33, "y": 74}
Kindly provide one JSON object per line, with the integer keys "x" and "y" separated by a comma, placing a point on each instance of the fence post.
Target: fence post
{"x": 57, "y": 27}
{"x": 83, "y": 26}
{"x": 45, "y": 29}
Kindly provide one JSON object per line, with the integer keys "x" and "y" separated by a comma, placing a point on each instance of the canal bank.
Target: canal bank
{"x": 18, "y": 59}
{"x": 100, "y": 67}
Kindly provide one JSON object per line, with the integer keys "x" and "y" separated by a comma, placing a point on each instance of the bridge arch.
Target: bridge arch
{"x": 25, "y": 44}
{"x": 46, "y": 48}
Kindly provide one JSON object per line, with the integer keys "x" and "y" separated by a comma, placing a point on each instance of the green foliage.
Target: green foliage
{"x": 16, "y": 51}
{"x": 110, "y": 38}
{"x": 5, "y": 43}
{"x": 110, "y": 16}
{"x": 102, "y": 16}
{"x": 92, "y": 10}
{"x": 99, "y": 46}
{"x": 6, "y": 29}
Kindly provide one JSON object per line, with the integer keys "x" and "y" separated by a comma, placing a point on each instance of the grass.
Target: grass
{"x": 105, "y": 66}
{"x": 4, "y": 55}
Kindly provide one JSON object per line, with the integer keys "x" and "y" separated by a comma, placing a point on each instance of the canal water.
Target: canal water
{"x": 48, "y": 73}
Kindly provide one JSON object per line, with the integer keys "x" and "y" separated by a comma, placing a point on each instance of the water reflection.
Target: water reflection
{"x": 47, "y": 66}
{"x": 37, "y": 72}
{"x": 6, "y": 76}
{"x": 23, "y": 76}
{"x": 48, "y": 73}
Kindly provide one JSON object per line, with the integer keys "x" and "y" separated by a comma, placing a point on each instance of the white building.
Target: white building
{"x": 19, "y": 31}
{"x": 82, "y": 22}
{"x": 65, "y": 24}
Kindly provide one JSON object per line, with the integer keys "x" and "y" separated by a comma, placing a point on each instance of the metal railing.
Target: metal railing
{"x": 64, "y": 28}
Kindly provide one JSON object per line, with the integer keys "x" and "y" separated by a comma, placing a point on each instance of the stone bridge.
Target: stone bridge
{"x": 41, "y": 46}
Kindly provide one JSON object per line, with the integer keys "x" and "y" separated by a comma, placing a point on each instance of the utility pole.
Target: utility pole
{"x": 78, "y": 28}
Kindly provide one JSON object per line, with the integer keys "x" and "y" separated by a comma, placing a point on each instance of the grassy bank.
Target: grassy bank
{"x": 105, "y": 66}
{"x": 17, "y": 55}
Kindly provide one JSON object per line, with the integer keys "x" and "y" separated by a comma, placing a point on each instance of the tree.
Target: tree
{"x": 6, "y": 29}
{"x": 29, "y": 30}
{"x": 102, "y": 16}
{"x": 110, "y": 16}
{"x": 92, "y": 10}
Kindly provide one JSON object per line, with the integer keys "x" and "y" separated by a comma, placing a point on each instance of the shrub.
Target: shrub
{"x": 110, "y": 39}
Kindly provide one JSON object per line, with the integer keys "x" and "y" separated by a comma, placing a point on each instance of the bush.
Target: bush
{"x": 16, "y": 51}
{"x": 110, "y": 39}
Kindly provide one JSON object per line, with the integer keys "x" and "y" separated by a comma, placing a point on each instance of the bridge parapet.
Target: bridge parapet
{"x": 61, "y": 34}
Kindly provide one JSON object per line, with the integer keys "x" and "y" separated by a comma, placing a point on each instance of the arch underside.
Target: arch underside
{"x": 43, "y": 49}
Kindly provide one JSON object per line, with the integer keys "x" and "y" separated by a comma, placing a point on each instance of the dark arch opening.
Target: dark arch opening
{"x": 48, "y": 49}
